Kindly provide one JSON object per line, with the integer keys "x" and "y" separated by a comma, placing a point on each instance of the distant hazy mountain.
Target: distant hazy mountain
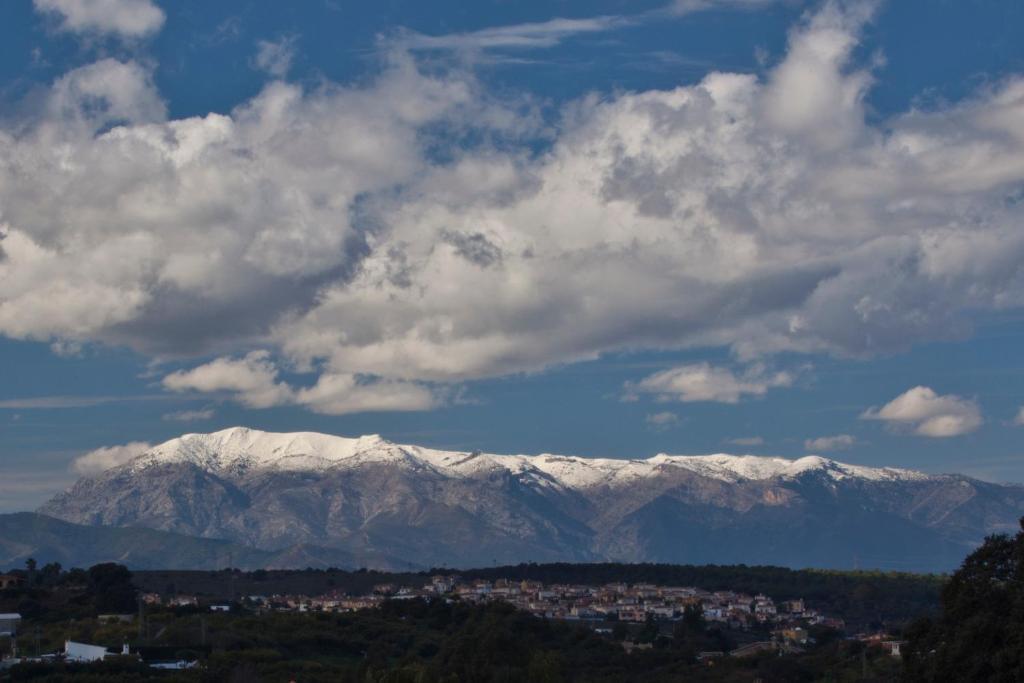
{"x": 26, "y": 534}
{"x": 384, "y": 504}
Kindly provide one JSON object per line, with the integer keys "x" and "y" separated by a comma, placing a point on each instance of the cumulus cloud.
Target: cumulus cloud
{"x": 338, "y": 394}
{"x": 126, "y": 18}
{"x": 253, "y": 381}
{"x": 275, "y": 56}
{"x": 839, "y": 442}
{"x": 927, "y": 413}
{"x": 104, "y": 458}
{"x": 316, "y": 223}
{"x": 705, "y": 382}
{"x": 1019, "y": 419}
{"x": 174, "y": 237}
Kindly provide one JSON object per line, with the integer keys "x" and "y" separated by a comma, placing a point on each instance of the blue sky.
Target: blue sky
{"x": 602, "y": 228}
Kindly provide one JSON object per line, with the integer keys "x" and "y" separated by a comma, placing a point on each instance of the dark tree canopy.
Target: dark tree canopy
{"x": 112, "y": 585}
{"x": 979, "y": 635}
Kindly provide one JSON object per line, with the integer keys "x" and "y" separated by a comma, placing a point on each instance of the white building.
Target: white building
{"x": 82, "y": 652}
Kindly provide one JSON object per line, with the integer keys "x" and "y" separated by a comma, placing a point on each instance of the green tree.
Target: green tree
{"x": 112, "y": 587}
{"x": 545, "y": 667}
{"x": 693, "y": 619}
{"x": 979, "y": 636}
{"x": 650, "y": 630}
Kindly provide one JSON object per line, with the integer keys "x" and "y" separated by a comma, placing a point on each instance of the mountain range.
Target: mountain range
{"x": 307, "y": 499}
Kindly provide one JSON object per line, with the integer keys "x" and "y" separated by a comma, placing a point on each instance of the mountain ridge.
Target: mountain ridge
{"x": 241, "y": 446}
{"x": 375, "y": 499}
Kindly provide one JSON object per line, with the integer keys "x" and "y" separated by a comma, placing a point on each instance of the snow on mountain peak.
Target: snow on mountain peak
{"x": 244, "y": 449}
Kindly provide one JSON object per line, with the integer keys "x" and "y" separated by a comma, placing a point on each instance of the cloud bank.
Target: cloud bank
{"x": 318, "y": 223}
{"x": 253, "y": 382}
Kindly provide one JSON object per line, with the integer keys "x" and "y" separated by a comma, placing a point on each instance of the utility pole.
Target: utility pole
{"x": 142, "y": 617}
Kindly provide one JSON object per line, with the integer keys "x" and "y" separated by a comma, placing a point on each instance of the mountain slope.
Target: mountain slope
{"x": 374, "y": 500}
{"x": 46, "y": 539}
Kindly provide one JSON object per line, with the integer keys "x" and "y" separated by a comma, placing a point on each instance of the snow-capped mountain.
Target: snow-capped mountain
{"x": 242, "y": 450}
{"x": 425, "y": 507}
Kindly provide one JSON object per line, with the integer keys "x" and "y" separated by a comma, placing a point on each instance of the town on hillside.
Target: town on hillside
{"x": 599, "y": 606}
{"x": 204, "y": 622}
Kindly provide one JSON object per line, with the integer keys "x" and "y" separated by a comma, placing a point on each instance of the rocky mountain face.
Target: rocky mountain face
{"x": 386, "y": 505}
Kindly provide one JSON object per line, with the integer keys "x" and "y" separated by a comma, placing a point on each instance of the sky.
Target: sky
{"x": 601, "y": 228}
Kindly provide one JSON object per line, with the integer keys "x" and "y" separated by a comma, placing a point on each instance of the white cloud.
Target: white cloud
{"x": 253, "y": 382}
{"x": 338, "y": 394}
{"x": 189, "y": 415}
{"x": 929, "y": 414}
{"x": 176, "y": 236}
{"x": 105, "y": 458}
{"x": 1019, "y": 419}
{"x": 546, "y": 34}
{"x": 275, "y": 56}
{"x": 747, "y": 441}
{"x": 60, "y": 402}
{"x": 540, "y": 34}
{"x": 810, "y": 93}
{"x": 682, "y": 7}
{"x": 705, "y": 382}
{"x": 127, "y": 18}
{"x": 316, "y": 223}
{"x": 839, "y": 442}
{"x": 661, "y": 421}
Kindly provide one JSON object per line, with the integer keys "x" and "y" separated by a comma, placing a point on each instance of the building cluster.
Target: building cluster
{"x": 609, "y": 602}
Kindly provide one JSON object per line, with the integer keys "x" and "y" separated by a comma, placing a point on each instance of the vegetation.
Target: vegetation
{"x": 424, "y": 642}
{"x": 414, "y": 640}
{"x": 979, "y": 635}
